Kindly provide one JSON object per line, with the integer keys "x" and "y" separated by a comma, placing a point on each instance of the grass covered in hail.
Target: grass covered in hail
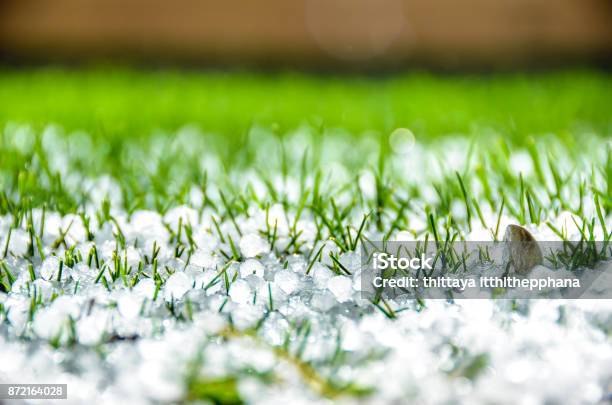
{"x": 181, "y": 267}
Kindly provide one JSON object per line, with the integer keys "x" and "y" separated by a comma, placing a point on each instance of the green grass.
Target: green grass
{"x": 546, "y": 115}
{"x": 128, "y": 103}
{"x": 241, "y": 169}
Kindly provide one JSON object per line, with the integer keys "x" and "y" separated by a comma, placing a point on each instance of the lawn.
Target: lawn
{"x": 130, "y": 103}
{"x": 173, "y": 236}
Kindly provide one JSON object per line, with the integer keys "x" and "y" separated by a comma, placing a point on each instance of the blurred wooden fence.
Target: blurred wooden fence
{"x": 361, "y": 33}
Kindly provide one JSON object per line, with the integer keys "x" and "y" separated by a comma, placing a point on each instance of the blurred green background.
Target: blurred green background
{"x": 123, "y": 102}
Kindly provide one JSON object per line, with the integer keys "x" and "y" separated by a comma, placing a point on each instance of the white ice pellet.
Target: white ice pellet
{"x": 182, "y": 214}
{"x": 246, "y": 315}
{"x": 351, "y": 261}
{"x": 251, "y": 267}
{"x": 72, "y": 225}
{"x": 252, "y": 245}
{"x": 274, "y": 329}
{"x": 240, "y": 292}
{"x": 177, "y": 285}
{"x": 196, "y": 196}
{"x": 145, "y": 287}
{"x": 90, "y": 329}
{"x": 203, "y": 259}
{"x": 341, "y": 287}
{"x": 49, "y": 323}
{"x": 329, "y": 249}
{"x": 18, "y": 309}
{"x": 68, "y": 304}
{"x": 286, "y": 280}
{"x": 322, "y": 300}
{"x": 49, "y": 268}
{"x": 521, "y": 163}
{"x": 208, "y": 280}
{"x": 44, "y": 288}
{"x": 132, "y": 256}
{"x": 255, "y": 281}
{"x": 277, "y": 217}
{"x": 82, "y": 273}
{"x": 321, "y": 275}
{"x": 367, "y": 184}
{"x": 129, "y": 305}
{"x": 19, "y": 242}
{"x": 270, "y": 291}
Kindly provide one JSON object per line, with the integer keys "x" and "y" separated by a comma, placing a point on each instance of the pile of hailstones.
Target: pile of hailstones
{"x": 121, "y": 340}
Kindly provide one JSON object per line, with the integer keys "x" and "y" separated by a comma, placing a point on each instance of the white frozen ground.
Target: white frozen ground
{"x": 115, "y": 336}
